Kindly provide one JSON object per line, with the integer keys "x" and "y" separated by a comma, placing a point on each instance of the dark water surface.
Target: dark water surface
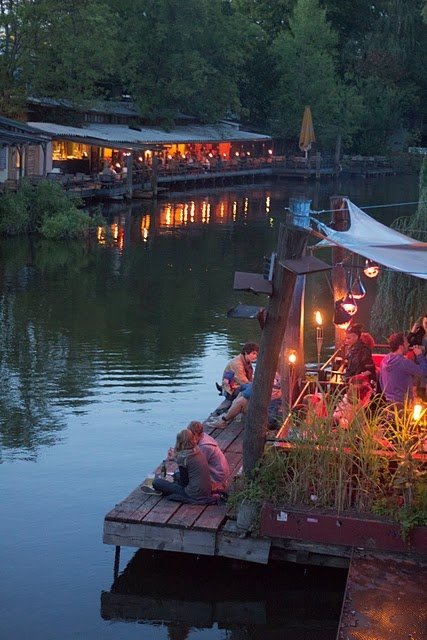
{"x": 107, "y": 349}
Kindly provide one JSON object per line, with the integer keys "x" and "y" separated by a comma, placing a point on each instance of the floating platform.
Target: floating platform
{"x": 385, "y": 592}
{"x": 153, "y": 522}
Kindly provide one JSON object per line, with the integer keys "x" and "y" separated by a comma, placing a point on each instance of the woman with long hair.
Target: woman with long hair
{"x": 192, "y": 484}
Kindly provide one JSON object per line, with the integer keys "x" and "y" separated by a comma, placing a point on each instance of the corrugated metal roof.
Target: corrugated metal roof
{"x": 111, "y": 134}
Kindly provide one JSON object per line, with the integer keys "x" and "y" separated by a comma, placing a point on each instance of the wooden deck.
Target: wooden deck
{"x": 154, "y": 522}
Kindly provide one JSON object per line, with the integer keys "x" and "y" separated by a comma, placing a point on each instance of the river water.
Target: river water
{"x": 107, "y": 349}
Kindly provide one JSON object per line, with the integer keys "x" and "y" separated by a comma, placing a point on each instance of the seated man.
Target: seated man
{"x": 242, "y": 368}
{"x": 397, "y": 373}
{"x": 239, "y": 404}
{"x": 219, "y": 471}
{"x": 359, "y": 355}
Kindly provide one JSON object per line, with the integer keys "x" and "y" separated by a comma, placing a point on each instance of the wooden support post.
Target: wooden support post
{"x": 293, "y": 339}
{"x": 116, "y": 562}
{"x": 340, "y": 222}
{"x": 291, "y": 244}
{"x": 318, "y": 165}
{"x": 44, "y": 149}
{"x": 129, "y": 176}
{"x": 154, "y": 175}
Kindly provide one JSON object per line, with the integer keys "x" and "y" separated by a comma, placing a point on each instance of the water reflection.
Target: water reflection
{"x": 249, "y": 601}
{"x": 135, "y": 318}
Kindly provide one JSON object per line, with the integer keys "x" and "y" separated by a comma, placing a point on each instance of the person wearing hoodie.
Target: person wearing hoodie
{"x": 397, "y": 373}
{"x": 219, "y": 470}
{"x": 193, "y": 484}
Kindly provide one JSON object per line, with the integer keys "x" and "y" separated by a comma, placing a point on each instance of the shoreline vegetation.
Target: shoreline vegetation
{"x": 45, "y": 209}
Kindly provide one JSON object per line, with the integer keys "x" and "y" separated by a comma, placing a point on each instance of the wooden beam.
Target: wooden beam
{"x": 291, "y": 245}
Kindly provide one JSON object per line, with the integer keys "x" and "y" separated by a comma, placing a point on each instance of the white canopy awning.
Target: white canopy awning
{"x": 375, "y": 241}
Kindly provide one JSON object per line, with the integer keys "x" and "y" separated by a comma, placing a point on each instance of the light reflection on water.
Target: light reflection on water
{"x": 106, "y": 351}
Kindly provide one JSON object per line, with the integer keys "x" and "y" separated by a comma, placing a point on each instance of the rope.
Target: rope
{"x": 372, "y": 206}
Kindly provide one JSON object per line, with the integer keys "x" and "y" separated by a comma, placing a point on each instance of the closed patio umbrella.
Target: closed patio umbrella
{"x": 306, "y": 136}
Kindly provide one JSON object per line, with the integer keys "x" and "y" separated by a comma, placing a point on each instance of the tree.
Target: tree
{"x": 69, "y": 47}
{"x": 12, "y": 57}
{"x": 184, "y": 56}
{"x": 306, "y": 64}
{"x": 272, "y": 17}
{"x": 386, "y": 62}
{"x": 401, "y": 297}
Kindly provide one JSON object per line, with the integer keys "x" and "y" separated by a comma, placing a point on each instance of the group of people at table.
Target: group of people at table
{"x": 203, "y": 472}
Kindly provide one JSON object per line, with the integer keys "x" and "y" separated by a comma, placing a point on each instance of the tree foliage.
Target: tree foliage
{"x": 401, "y": 298}
{"x": 306, "y": 62}
{"x": 360, "y": 65}
{"x": 183, "y": 56}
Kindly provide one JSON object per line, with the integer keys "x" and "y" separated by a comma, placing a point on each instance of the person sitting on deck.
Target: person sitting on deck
{"x": 239, "y": 405}
{"x": 219, "y": 470}
{"x": 359, "y": 355}
{"x": 397, "y": 373}
{"x": 358, "y": 395}
{"x": 193, "y": 484}
{"x": 242, "y": 368}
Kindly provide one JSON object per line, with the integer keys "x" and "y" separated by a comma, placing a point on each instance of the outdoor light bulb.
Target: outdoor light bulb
{"x": 343, "y": 325}
{"x": 417, "y": 412}
{"x": 358, "y": 291}
{"x": 342, "y": 318}
{"x": 349, "y": 304}
{"x": 318, "y": 318}
{"x": 371, "y": 269}
{"x": 292, "y": 357}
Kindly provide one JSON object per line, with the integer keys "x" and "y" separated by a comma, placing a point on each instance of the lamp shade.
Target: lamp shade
{"x": 342, "y": 319}
{"x": 358, "y": 291}
{"x": 349, "y": 304}
{"x": 371, "y": 269}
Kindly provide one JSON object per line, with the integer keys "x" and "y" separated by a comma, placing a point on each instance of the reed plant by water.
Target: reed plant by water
{"x": 369, "y": 467}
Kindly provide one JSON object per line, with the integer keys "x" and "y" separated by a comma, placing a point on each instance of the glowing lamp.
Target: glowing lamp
{"x": 371, "y": 269}
{"x": 358, "y": 291}
{"x": 349, "y": 304}
{"x": 417, "y": 412}
{"x": 342, "y": 319}
{"x": 292, "y": 358}
{"x": 319, "y": 336}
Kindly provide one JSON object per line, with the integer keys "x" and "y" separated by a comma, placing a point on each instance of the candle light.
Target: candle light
{"x": 319, "y": 336}
{"x": 292, "y": 358}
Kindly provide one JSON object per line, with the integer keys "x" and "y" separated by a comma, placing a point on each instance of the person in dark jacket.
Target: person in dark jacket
{"x": 359, "y": 355}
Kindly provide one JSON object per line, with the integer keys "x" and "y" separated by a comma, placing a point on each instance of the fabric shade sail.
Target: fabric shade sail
{"x": 306, "y": 136}
{"x": 375, "y": 241}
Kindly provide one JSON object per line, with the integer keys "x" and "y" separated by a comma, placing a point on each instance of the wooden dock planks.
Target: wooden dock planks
{"x": 154, "y": 522}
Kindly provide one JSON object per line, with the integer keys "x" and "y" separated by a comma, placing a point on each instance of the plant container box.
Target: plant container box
{"x": 364, "y": 531}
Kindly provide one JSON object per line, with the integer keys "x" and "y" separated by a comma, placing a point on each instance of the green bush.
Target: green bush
{"x": 45, "y": 209}
{"x": 66, "y": 225}
{"x": 14, "y": 214}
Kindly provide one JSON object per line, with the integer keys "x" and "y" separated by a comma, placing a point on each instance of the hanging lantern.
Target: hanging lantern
{"x": 358, "y": 291}
{"x": 349, "y": 304}
{"x": 342, "y": 319}
{"x": 371, "y": 269}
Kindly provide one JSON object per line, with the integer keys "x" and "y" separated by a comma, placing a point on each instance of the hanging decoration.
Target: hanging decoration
{"x": 371, "y": 269}
{"x": 349, "y": 303}
{"x": 342, "y": 319}
{"x": 358, "y": 291}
